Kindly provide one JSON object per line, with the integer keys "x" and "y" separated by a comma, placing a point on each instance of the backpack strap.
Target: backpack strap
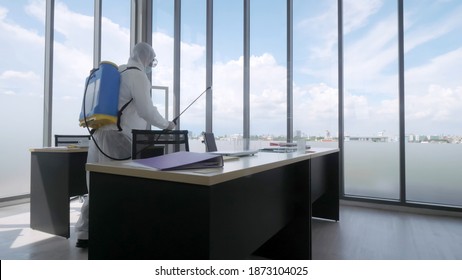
{"x": 119, "y": 114}
{"x": 131, "y": 67}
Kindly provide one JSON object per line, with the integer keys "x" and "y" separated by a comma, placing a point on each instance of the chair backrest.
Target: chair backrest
{"x": 209, "y": 140}
{"x": 66, "y": 140}
{"x": 151, "y": 143}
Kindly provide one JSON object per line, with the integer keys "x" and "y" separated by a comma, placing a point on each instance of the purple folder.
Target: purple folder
{"x": 182, "y": 160}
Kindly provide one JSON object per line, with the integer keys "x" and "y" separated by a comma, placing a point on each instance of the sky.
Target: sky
{"x": 432, "y": 49}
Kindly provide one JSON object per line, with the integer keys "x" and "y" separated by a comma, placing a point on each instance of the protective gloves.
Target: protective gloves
{"x": 171, "y": 126}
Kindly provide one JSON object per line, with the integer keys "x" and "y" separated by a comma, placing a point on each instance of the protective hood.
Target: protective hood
{"x": 142, "y": 54}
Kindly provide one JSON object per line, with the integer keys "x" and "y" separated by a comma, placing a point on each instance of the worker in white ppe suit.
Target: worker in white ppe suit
{"x": 140, "y": 113}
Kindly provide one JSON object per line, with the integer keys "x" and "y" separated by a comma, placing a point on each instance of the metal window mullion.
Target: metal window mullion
{"x": 290, "y": 110}
{"x": 209, "y": 69}
{"x": 177, "y": 60}
{"x": 147, "y": 22}
{"x": 341, "y": 117}
{"x": 402, "y": 130}
{"x": 141, "y": 22}
{"x": 48, "y": 73}
{"x": 133, "y": 27}
{"x": 97, "y": 33}
{"x": 246, "y": 78}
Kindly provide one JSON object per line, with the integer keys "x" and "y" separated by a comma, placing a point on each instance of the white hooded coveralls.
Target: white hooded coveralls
{"x": 139, "y": 114}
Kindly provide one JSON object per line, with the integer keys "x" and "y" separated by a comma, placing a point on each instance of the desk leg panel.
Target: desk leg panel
{"x": 136, "y": 218}
{"x": 294, "y": 240}
{"x": 77, "y": 174}
{"x": 248, "y": 211}
{"x": 325, "y": 186}
{"x": 49, "y": 202}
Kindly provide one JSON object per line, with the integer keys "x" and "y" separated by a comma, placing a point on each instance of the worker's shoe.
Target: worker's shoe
{"x": 82, "y": 243}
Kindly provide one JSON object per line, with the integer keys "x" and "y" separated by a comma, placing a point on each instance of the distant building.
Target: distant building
{"x": 367, "y": 138}
{"x": 298, "y": 134}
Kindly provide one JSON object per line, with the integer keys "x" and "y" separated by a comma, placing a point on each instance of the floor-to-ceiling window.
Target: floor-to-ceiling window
{"x": 115, "y": 31}
{"x": 72, "y": 62}
{"x": 73, "y": 54}
{"x": 22, "y": 28}
{"x": 192, "y": 70}
{"x": 371, "y": 108}
{"x": 162, "y": 42}
{"x": 268, "y": 69}
{"x": 433, "y": 99}
{"x": 315, "y": 75}
{"x": 227, "y": 70}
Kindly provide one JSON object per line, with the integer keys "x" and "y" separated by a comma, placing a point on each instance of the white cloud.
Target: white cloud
{"x": 437, "y": 104}
{"x": 36, "y": 8}
{"x": 315, "y": 104}
{"x": 417, "y": 34}
{"x": 319, "y": 29}
{"x": 20, "y": 83}
{"x": 443, "y": 70}
{"x": 367, "y": 59}
{"x": 8, "y": 92}
{"x": 9, "y": 74}
{"x": 3, "y": 13}
{"x": 358, "y": 12}
{"x": 24, "y": 45}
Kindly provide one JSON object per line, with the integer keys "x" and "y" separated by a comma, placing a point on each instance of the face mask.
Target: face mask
{"x": 151, "y": 65}
{"x": 148, "y": 69}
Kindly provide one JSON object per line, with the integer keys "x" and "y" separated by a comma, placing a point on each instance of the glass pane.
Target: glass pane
{"x": 162, "y": 42}
{"x": 315, "y": 84}
{"x": 192, "y": 73}
{"x": 115, "y": 30}
{"x": 73, "y": 60}
{"x": 371, "y": 99}
{"x": 268, "y": 69}
{"x": 433, "y": 59}
{"x": 21, "y": 91}
{"x": 227, "y": 71}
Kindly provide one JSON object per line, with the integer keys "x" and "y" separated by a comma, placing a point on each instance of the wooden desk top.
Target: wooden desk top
{"x": 62, "y": 149}
{"x": 232, "y": 169}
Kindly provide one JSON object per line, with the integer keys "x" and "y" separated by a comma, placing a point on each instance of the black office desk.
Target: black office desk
{"x": 57, "y": 174}
{"x": 257, "y": 205}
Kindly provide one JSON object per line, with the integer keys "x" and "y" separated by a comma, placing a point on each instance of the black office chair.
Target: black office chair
{"x": 209, "y": 141}
{"x": 66, "y": 140}
{"x": 151, "y": 143}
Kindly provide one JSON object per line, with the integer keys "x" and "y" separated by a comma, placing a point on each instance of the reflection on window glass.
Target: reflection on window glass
{"x": 315, "y": 72}
{"x": 433, "y": 59}
{"x": 371, "y": 99}
{"x": 21, "y": 91}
